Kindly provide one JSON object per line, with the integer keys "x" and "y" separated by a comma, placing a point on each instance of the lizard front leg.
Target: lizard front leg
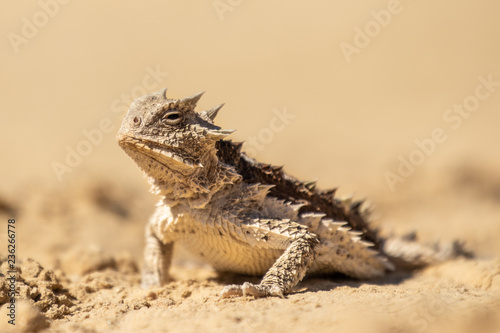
{"x": 286, "y": 272}
{"x": 157, "y": 260}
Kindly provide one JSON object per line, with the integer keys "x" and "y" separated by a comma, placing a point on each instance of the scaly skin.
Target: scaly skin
{"x": 241, "y": 216}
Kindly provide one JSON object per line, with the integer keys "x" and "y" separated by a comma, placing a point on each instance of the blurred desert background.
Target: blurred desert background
{"x": 364, "y": 86}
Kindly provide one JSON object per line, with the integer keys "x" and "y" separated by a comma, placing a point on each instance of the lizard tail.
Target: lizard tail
{"x": 407, "y": 253}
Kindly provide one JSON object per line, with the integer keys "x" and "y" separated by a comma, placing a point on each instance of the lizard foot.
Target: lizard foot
{"x": 249, "y": 289}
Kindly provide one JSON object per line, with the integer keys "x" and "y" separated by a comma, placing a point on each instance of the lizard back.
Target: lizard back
{"x": 295, "y": 191}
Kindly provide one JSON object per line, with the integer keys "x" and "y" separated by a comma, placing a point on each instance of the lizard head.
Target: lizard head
{"x": 163, "y": 134}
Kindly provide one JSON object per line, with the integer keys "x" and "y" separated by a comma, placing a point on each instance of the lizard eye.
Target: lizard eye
{"x": 172, "y": 118}
{"x": 136, "y": 120}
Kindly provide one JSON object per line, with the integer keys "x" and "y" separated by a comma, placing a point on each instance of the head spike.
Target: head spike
{"x": 192, "y": 100}
{"x": 220, "y": 133}
{"x": 162, "y": 94}
{"x": 212, "y": 113}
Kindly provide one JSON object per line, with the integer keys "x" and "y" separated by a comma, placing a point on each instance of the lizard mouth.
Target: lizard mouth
{"x": 159, "y": 153}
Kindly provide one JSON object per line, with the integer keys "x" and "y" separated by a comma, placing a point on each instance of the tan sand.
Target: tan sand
{"x": 80, "y": 219}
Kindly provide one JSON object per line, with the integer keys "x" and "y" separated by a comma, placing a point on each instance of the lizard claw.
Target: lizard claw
{"x": 232, "y": 290}
{"x": 261, "y": 290}
{"x": 249, "y": 289}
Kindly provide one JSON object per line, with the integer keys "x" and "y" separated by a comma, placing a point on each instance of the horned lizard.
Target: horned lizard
{"x": 246, "y": 217}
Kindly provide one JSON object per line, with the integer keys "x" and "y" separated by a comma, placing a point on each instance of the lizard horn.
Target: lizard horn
{"x": 161, "y": 93}
{"x": 220, "y": 133}
{"x": 212, "y": 113}
{"x": 192, "y": 100}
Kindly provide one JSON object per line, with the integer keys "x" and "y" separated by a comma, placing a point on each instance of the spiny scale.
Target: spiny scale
{"x": 290, "y": 189}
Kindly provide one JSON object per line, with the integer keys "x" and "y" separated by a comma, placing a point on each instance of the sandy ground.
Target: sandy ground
{"x": 66, "y": 84}
{"x": 77, "y": 281}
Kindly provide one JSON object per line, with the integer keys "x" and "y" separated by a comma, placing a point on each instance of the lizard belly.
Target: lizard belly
{"x": 226, "y": 254}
